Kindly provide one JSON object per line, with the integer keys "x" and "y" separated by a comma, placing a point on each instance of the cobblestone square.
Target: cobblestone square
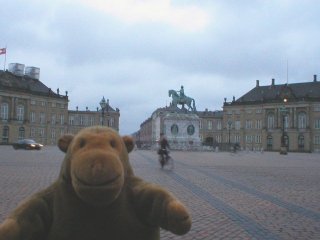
{"x": 247, "y": 195}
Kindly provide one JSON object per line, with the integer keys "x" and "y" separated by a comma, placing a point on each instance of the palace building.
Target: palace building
{"x": 29, "y": 109}
{"x": 275, "y": 116}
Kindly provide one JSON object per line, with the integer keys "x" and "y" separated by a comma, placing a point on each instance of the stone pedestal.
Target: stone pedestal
{"x": 182, "y": 130}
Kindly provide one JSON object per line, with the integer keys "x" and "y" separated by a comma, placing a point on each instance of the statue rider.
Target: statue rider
{"x": 181, "y": 93}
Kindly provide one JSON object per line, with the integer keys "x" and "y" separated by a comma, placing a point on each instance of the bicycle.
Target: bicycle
{"x": 165, "y": 159}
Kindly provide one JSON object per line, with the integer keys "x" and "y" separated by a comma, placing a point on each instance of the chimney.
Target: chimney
{"x": 257, "y": 83}
{"x": 315, "y": 78}
{"x": 272, "y": 81}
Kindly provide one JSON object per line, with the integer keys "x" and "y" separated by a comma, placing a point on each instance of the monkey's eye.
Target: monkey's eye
{"x": 113, "y": 143}
{"x": 82, "y": 143}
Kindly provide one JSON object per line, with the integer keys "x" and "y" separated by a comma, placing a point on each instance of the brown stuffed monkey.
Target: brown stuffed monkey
{"x": 97, "y": 197}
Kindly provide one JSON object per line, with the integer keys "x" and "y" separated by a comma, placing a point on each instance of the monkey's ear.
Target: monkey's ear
{"x": 64, "y": 142}
{"x": 128, "y": 141}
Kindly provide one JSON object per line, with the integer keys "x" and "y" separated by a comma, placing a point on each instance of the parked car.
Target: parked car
{"x": 28, "y": 144}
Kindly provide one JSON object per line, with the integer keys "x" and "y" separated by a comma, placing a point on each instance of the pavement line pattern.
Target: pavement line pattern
{"x": 253, "y": 228}
{"x": 289, "y": 206}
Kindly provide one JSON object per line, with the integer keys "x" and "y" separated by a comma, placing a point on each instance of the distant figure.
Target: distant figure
{"x": 163, "y": 152}
{"x": 164, "y": 146}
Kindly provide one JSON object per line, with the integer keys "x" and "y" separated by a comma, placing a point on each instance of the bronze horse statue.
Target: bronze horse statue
{"x": 176, "y": 99}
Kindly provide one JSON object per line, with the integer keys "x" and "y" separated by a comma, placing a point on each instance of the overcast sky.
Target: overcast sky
{"x": 133, "y": 51}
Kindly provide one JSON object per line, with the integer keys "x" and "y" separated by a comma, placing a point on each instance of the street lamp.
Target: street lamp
{"x": 103, "y": 105}
{"x": 283, "y": 111}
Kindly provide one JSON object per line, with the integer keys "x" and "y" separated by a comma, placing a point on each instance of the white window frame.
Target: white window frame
{"x": 4, "y": 111}
{"x": 302, "y": 120}
{"x": 20, "y": 112}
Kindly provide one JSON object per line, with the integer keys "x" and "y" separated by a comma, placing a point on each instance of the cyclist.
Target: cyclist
{"x": 163, "y": 150}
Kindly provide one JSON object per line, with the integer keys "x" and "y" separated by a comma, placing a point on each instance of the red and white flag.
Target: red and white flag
{"x": 3, "y": 51}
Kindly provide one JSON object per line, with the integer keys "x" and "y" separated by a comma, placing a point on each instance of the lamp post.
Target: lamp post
{"x": 283, "y": 111}
{"x": 103, "y": 105}
{"x": 229, "y": 128}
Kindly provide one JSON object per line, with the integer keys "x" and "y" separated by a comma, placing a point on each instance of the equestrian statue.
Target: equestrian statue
{"x": 182, "y": 99}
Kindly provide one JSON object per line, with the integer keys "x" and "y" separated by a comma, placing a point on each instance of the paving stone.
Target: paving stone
{"x": 230, "y": 196}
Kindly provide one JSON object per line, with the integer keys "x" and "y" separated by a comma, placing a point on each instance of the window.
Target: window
{"x": 53, "y": 119}
{"x": 81, "y": 120}
{"x": 33, "y": 117}
{"x": 41, "y": 132}
{"x": 91, "y": 121}
{"x": 200, "y": 124}
{"x": 4, "y": 111}
{"x": 218, "y": 138}
{"x": 53, "y": 134}
{"x": 317, "y": 123}
{"x": 258, "y": 139}
{"x": 258, "y": 124}
{"x": 237, "y": 138}
{"x": 71, "y": 120}
{"x": 237, "y": 125}
{"x": 316, "y": 108}
{"x": 248, "y": 139}
{"x": 219, "y": 125}
{"x": 209, "y": 125}
{"x": 21, "y": 133}
{"x": 33, "y": 102}
{"x": 5, "y": 134}
{"x": 317, "y": 140}
{"x": 270, "y": 120}
{"x": 111, "y": 122}
{"x": 32, "y": 132}
{"x": 20, "y": 113}
{"x": 269, "y": 142}
{"x": 302, "y": 120}
{"x": 42, "y": 118}
{"x": 301, "y": 142}
{"x": 248, "y": 124}
{"x": 61, "y": 119}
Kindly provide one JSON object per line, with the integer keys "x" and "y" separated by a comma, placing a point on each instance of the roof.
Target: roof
{"x": 203, "y": 114}
{"x": 9, "y": 81}
{"x": 307, "y": 91}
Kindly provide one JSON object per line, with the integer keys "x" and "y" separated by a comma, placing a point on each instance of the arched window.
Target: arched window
{"x": 270, "y": 121}
{"x": 4, "y": 111}
{"x": 20, "y": 112}
{"x": 21, "y": 133}
{"x": 302, "y": 120}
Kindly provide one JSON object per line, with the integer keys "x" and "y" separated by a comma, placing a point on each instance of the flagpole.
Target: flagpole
{"x": 5, "y": 60}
